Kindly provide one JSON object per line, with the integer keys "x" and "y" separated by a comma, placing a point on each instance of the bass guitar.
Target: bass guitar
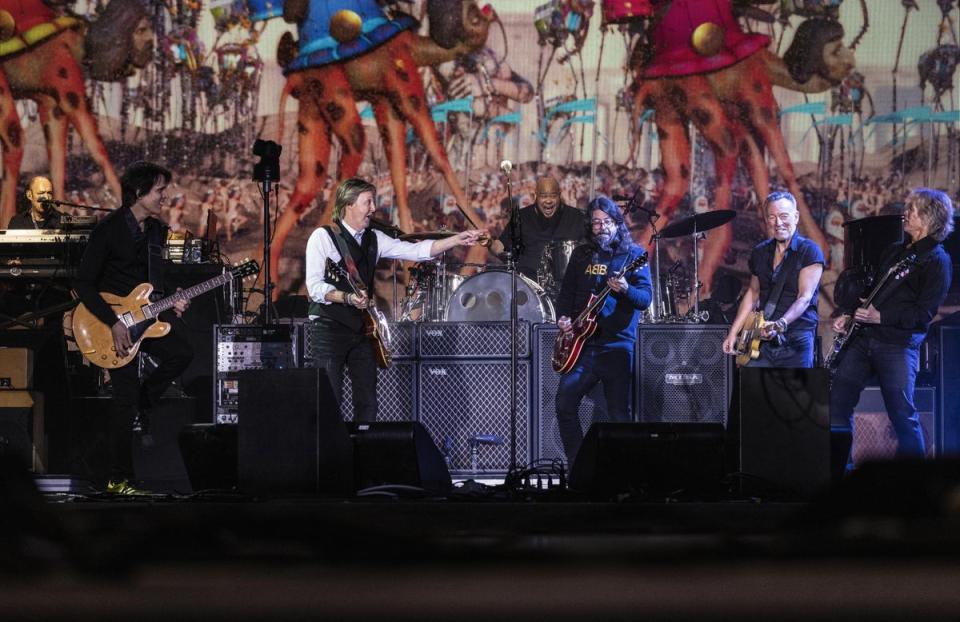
{"x": 569, "y": 344}
{"x": 375, "y": 324}
{"x": 748, "y": 339}
{"x": 139, "y": 315}
{"x": 896, "y": 272}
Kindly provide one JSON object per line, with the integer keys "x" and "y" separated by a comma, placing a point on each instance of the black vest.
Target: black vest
{"x": 365, "y": 257}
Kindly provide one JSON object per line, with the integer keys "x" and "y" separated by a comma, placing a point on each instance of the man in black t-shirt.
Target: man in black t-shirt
{"x": 547, "y": 220}
{"x": 41, "y": 214}
{"x": 787, "y": 340}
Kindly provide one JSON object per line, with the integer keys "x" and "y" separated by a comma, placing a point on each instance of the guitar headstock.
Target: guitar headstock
{"x": 635, "y": 263}
{"x": 902, "y": 268}
{"x": 245, "y": 269}
{"x": 334, "y": 271}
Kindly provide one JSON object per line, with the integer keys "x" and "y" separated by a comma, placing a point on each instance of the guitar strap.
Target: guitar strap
{"x": 774, "y": 298}
{"x": 334, "y": 230}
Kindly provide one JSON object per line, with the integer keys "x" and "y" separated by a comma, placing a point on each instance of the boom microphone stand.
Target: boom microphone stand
{"x": 516, "y": 250}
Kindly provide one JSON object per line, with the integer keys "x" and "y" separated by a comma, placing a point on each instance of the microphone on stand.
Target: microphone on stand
{"x": 506, "y": 166}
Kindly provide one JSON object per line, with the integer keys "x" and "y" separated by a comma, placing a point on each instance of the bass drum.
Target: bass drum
{"x": 485, "y": 297}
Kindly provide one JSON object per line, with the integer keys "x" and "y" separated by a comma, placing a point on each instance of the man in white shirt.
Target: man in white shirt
{"x": 336, "y": 308}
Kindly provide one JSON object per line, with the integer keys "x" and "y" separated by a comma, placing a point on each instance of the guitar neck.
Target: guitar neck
{"x": 156, "y": 308}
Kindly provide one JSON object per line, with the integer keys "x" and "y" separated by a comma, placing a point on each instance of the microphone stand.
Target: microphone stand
{"x": 52, "y": 202}
{"x": 516, "y": 250}
{"x": 266, "y": 171}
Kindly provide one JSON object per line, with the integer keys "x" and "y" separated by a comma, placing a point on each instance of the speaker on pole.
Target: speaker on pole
{"x": 649, "y": 459}
{"x": 291, "y": 437}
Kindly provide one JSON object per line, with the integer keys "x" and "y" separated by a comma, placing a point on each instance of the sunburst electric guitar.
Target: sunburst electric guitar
{"x": 375, "y": 324}
{"x": 569, "y": 344}
{"x": 95, "y": 339}
{"x": 749, "y": 338}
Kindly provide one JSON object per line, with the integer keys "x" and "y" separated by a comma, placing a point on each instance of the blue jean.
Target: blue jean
{"x": 796, "y": 351}
{"x": 610, "y": 365}
{"x": 896, "y": 369}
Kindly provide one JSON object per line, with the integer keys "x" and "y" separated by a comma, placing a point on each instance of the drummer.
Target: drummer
{"x": 547, "y": 220}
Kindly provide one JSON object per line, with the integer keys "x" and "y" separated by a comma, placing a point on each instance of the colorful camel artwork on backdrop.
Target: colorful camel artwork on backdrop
{"x": 692, "y": 102}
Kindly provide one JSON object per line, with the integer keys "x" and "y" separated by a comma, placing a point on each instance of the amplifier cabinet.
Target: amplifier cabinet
{"x": 396, "y": 392}
{"x": 465, "y": 406}
{"x": 949, "y": 371}
{"x": 546, "y": 435}
{"x": 472, "y": 340}
{"x": 241, "y": 347}
{"x": 682, "y": 373}
{"x": 403, "y": 341}
{"x": 873, "y": 436}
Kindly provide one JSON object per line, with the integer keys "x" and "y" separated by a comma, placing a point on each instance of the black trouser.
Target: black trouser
{"x": 174, "y": 354}
{"x": 336, "y": 346}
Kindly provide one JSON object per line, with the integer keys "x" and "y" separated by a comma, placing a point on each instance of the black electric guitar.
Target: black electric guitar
{"x": 896, "y": 272}
{"x": 375, "y": 323}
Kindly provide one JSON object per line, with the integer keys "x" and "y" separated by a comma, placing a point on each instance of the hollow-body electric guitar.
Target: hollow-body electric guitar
{"x": 897, "y": 271}
{"x": 375, "y": 324}
{"x": 569, "y": 344}
{"x": 95, "y": 339}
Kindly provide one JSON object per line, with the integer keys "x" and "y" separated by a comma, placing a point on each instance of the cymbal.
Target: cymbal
{"x": 427, "y": 235}
{"x": 698, "y": 222}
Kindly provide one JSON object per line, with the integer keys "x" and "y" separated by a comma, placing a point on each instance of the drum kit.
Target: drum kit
{"x": 454, "y": 292}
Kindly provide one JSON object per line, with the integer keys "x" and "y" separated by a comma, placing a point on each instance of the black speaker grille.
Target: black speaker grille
{"x": 873, "y": 436}
{"x": 460, "y": 400}
{"x": 472, "y": 340}
{"x": 683, "y": 374}
{"x": 403, "y": 340}
{"x": 396, "y": 393}
{"x": 547, "y": 444}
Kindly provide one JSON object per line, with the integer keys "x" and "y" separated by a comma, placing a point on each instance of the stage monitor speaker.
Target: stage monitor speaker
{"x": 210, "y": 455}
{"x": 649, "y": 460}
{"x": 873, "y": 436}
{"x": 397, "y": 453}
{"x": 465, "y": 406}
{"x": 682, "y": 374}
{"x": 291, "y": 437}
{"x": 949, "y": 385}
{"x": 546, "y": 435}
{"x": 784, "y": 431}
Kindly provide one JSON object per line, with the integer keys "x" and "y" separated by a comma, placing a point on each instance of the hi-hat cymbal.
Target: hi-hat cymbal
{"x": 698, "y": 223}
{"x": 427, "y": 235}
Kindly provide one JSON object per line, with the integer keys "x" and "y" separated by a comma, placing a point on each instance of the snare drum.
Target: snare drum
{"x": 485, "y": 297}
{"x": 553, "y": 265}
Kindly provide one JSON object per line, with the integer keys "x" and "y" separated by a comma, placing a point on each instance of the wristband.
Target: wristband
{"x": 346, "y": 299}
{"x": 781, "y": 325}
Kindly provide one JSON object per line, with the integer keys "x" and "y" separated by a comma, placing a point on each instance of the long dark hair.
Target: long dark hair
{"x": 608, "y": 207}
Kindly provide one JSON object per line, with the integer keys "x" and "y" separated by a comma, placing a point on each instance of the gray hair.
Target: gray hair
{"x": 936, "y": 209}
{"x": 778, "y": 195}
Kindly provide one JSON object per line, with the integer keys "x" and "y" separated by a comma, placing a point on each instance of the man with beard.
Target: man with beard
{"x": 547, "y": 220}
{"x": 607, "y": 356}
{"x": 785, "y": 278}
{"x": 41, "y": 214}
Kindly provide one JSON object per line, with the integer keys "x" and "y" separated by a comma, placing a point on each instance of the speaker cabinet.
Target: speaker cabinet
{"x": 785, "y": 431}
{"x": 472, "y": 340}
{"x": 546, "y": 435}
{"x": 291, "y": 437}
{"x": 396, "y": 393}
{"x": 397, "y": 453}
{"x": 649, "y": 459}
{"x": 21, "y": 428}
{"x": 465, "y": 406}
{"x": 949, "y": 386}
{"x": 682, "y": 374}
{"x": 873, "y": 436}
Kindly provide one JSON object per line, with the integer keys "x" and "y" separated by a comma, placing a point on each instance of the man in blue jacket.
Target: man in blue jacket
{"x": 607, "y": 356}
